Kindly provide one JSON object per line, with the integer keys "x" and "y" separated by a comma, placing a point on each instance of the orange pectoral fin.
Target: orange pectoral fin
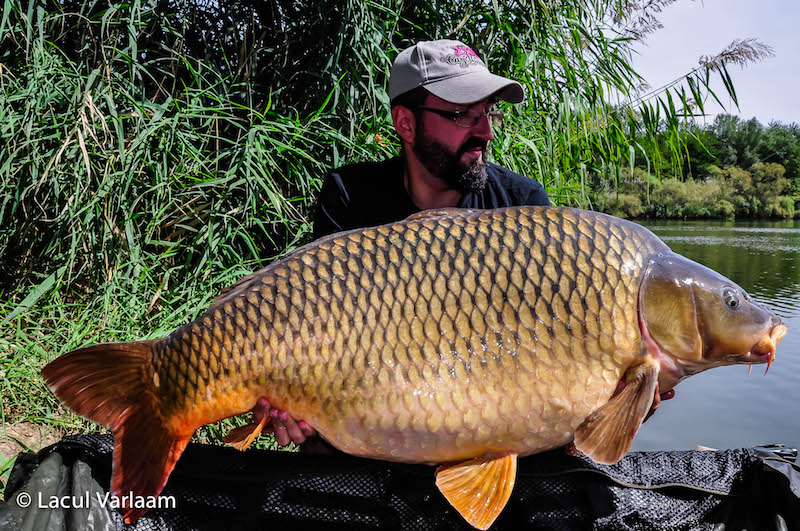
{"x": 607, "y": 434}
{"x": 479, "y": 488}
{"x": 243, "y": 436}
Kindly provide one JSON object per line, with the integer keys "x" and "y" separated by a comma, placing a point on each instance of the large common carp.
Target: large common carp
{"x": 459, "y": 337}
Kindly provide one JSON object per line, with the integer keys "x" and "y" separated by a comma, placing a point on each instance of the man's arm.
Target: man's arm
{"x": 539, "y": 197}
{"x": 332, "y": 207}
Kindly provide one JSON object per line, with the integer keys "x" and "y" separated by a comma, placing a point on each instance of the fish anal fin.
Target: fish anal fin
{"x": 243, "y": 436}
{"x": 607, "y": 434}
{"x": 439, "y": 212}
{"x": 479, "y": 488}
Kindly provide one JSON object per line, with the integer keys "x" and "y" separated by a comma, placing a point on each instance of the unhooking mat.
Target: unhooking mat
{"x": 215, "y": 488}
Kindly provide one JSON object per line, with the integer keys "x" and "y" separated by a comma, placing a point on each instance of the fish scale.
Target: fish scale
{"x": 428, "y": 340}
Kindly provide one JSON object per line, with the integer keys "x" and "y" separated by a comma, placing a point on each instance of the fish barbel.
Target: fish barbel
{"x": 456, "y": 337}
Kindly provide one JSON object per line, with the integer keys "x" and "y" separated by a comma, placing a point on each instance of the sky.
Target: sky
{"x": 768, "y": 90}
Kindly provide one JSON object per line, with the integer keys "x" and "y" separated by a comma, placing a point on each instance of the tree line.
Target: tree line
{"x": 732, "y": 168}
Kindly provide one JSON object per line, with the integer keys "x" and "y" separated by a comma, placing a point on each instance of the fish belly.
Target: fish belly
{"x": 452, "y": 420}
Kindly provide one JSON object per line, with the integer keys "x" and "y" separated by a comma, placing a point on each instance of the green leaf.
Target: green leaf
{"x": 35, "y": 294}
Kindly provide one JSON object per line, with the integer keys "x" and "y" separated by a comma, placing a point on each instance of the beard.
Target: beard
{"x": 446, "y": 164}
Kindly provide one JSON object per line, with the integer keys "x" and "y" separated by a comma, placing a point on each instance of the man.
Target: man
{"x": 442, "y": 97}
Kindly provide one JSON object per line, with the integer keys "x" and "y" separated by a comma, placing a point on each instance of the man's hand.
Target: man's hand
{"x": 657, "y": 398}
{"x": 286, "y": 429}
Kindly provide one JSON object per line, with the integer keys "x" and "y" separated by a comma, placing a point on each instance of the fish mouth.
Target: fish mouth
{"x": 764, "y": 350}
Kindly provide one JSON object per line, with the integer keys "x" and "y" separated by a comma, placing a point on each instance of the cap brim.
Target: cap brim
{"x": 476, "y": 86}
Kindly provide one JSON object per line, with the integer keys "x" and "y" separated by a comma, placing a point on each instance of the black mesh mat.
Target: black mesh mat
{"x": 221, "y": 488}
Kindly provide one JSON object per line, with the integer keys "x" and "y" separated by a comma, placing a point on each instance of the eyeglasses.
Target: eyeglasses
{"x": 467, "y": 119}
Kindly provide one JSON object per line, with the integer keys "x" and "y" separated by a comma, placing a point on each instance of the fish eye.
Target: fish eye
{"x": 730, "y": 297}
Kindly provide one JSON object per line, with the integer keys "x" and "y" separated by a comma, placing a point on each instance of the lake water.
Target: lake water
{"x": 723, "y": 407}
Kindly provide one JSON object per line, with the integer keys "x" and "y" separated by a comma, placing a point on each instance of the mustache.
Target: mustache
{"x": 473, "y": 143}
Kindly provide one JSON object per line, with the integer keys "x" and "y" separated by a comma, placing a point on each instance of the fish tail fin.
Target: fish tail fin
{"x": 108, "y": 384}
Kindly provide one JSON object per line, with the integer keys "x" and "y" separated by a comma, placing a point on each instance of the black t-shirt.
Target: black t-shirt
{"x": 372, "y": 193}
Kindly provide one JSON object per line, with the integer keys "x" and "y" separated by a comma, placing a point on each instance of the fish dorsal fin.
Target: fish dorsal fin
{"x": 231, "y": 291}
{"x": 244, "y": 283}
{"x": 439, "y": 212}
{"x": 607, "y": 434}
{"x": 479, "y": 488}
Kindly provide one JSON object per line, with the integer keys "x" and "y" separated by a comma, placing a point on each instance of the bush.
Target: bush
{"x": 701, "y": 199}
{"x": 626, "y": 206}
{"x": 668, "y": 201}
{"x": 629, "y": 205}
{"x": 602, "y": 201}
{"x": 725, "y": 209}
{"x": 783, "y": 207}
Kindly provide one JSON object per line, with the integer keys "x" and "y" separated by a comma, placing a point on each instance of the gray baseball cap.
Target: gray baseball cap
{"x": 450, "y": 70}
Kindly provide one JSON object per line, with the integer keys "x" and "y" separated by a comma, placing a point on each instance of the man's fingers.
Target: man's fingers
{"x": 294, "y": 432}
{"x": 286, "y": 429}
{"x": 656, "y": 400}
{"x": 307, "y": 430}
{"x": 279, "y": 428}
{"x": 261, "y": 409}
{"x": 656, "y": 403}
{"x": 281, "y": 424}
{"x": 281, "y": 437}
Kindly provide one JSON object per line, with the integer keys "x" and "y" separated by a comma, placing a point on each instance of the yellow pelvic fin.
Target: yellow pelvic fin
{"x": 243, "y": 436}
{"x": 607, "y": 434}
{"x": 479, "y": 488}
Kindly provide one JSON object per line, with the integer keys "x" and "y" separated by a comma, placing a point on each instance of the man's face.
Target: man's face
{"x": 455, "y": 154}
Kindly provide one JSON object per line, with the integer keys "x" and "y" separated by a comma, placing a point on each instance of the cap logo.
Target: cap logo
{"x": 463, "y": 56}
{"x": 464, "y": 50}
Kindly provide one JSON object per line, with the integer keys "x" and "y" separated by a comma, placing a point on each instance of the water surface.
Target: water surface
{"x": 723, "y": 407}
